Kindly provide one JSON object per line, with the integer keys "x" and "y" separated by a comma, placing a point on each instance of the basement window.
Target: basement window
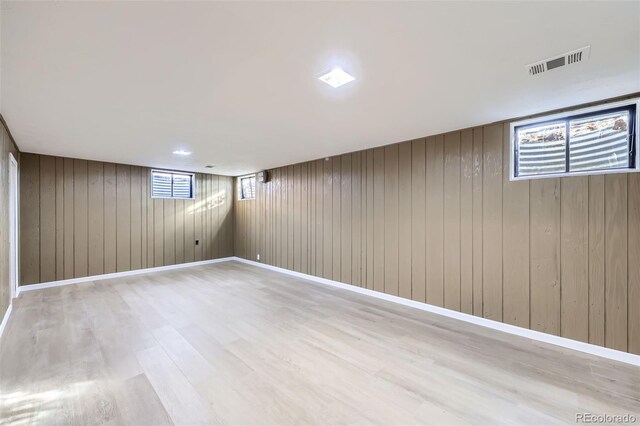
{"x": 595, "y": 140}
{"x": 247, "y": 187}
{"x": 168, "y": 184}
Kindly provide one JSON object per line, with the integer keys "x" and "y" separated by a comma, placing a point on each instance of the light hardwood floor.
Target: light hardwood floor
{"x": 234, "y": 344}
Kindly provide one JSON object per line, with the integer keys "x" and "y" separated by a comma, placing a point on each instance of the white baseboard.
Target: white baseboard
{"x": 5, "y": 319}
{"x": 507, "y": 328}
{"x": 31, "y": 287}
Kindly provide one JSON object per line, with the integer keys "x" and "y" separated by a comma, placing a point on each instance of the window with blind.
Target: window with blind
{"x": 247, "y": 187}
{"x": 167, "y": 184}
{"x": 590, "y": 141}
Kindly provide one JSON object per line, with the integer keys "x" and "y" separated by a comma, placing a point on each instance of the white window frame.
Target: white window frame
{"x": 174, "y": 172}
{"x": 633, "y": 168}
{"x": 240, "y": 198}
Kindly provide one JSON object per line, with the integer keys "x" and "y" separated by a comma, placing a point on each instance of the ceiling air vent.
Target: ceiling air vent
{"x": 568, "y": 58}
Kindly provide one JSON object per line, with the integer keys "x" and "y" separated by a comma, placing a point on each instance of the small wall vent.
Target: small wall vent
{"x": 569, "y": 58}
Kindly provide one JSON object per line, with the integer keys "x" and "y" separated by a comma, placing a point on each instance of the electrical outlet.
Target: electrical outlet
{"x": 258, "y": 256}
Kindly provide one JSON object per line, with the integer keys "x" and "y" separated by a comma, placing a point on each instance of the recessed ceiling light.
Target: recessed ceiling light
{"x": 337, "y": 78}
{"x": 182, "y": 152}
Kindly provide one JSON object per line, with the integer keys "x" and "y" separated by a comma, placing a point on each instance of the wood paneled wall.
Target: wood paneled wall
{"x": 82, "y": 218}
{"x": 6, "y": 146}
{"x": 438, "y": 221}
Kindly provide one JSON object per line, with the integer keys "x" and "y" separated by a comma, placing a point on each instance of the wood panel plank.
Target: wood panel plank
{"x": 239, "y": 247}
{"x": 123, "y": 220}
{"x": 545, "y": 255}
{"x": 136, "y": 218}
{"x": 335, "y": 219}
{"x": 492, "y": 222}
{"x": 515, "y": 243}
{"x": 282, "y": 215}
{"x": 345, "y": 220}
{"x": 206, "y": 219}
{"x": 297, "y": 218}
{"x": 633, "y": 263}
{"x": 268, "y": 234}
{"x": 356, "y": 219}
{"x": 151, "y": 244}
{"x": 363, "y": 219}
{"x": 230, "y": 215}
{"x": 404, "y": 220}
{"x": 418, "y": 221}
{"x": 452, "y": 297}
{"x": 110, "y": 215}
{"x": 222, "y": 209}
{"x": 311, "y": 197}
{"x": 260, "y": 218}
{"x": 370, "y": 209}
{"x": 303, "y": 195}
{"x": 435, "y": 220}
{"x": 391, "y": 203}
{"x": 327, "y": 219}
{"x": 180, "y": 230}
{"x": 265, "y": 253}
{"x": 478, "y": 163}
{"x": 222, "y": 216}
{"x": 266, "y": 189}
{"x": 217, "y": 207}
{"x": 197, "y": 220}
{"x": 466, "y": 221}
{"x": 59, "y": 178}
{"x": 144, "y": 199}
{"x": 189, "y": 229}
{"x": 215, "y": 218}
{"x": 263, "y": 220}
{"x": 616, "y": 240}
{"x": 29, "y": 219}
{"x": 378, "y": 208}
{"x": 80, "y": 218}
{"x": 158, "y": 232}
{"x": 95, "y": 172}
{"x": 249, "y": 228}
{"x": 279, "y": 218}
{"x": 226, "y": 219}
{"x": 222, "y": 212}
{"x": 47, "y": 218}
{"x": 574, "y": 228}
{"x": 277, "y": 222}
{"x": 169, "y": 207}
{"x": 596, "y": 260}
{"x": 68, "y": 219}
{"x": 290, "y": 217}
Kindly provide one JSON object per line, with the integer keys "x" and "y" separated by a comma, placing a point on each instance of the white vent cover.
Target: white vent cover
{"x": 569, "y": 58}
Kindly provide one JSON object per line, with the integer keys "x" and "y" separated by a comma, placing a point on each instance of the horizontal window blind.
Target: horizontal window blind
{"x": 171, "y": 185}
{"x": 161, "y": 184}
{"x": 542, "y": 149}
{"x": 181, "y": 186}
{"x": 247, "y": 187}
{"x": 598, "y": 140}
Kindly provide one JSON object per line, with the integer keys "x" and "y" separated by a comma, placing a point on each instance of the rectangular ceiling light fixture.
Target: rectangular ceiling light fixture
{"x": 337, "y": 78}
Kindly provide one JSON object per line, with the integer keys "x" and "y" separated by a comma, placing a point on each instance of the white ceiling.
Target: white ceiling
{"x": 236, "y": 83}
